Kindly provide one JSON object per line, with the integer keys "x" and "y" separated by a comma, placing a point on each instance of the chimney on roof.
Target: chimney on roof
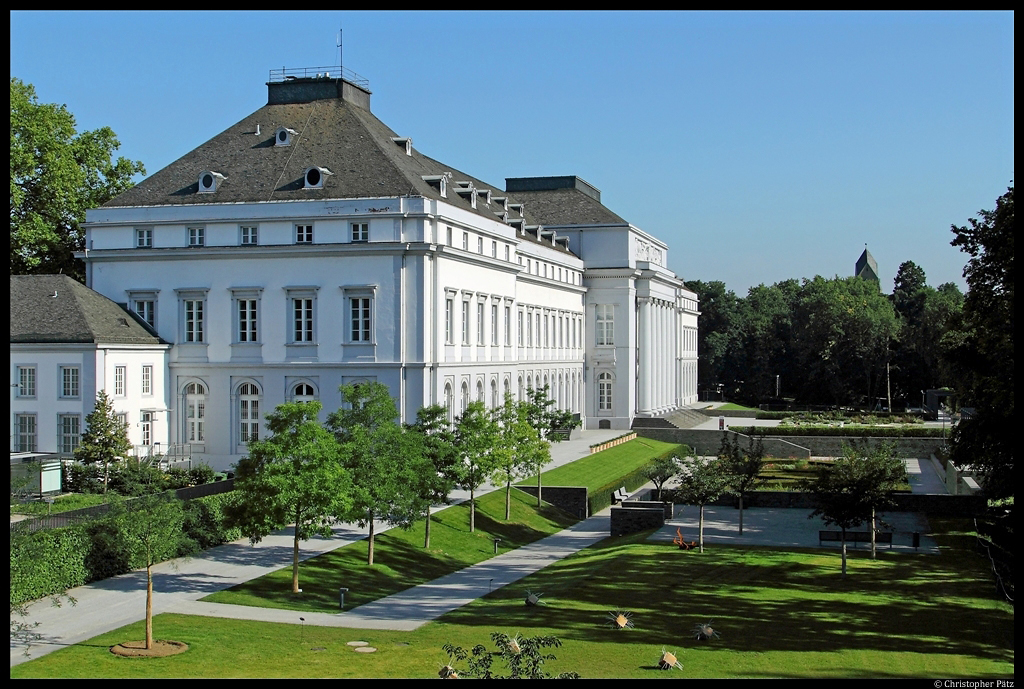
{"x": 513, "y": 184}
{"x": 309, "y": 89}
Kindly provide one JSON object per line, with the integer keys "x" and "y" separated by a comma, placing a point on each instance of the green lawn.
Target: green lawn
{"x": 400, "y": 561}
{"x": 607, "y": 466}
{"x": 730, "y": 406}
{"x": 63, "y": 503}
{"x": 780, "y": 613}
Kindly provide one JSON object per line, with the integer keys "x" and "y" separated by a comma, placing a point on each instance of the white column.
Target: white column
{"x": 644, "y": 356}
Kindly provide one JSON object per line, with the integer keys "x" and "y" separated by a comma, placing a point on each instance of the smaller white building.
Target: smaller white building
{"x": 68, "y": 343}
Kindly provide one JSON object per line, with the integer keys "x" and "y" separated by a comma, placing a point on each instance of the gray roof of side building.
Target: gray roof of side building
{"x": 59, "y": 309}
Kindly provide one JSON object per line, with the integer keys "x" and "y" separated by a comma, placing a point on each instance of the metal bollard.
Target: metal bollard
{"x": 341, "y": 598}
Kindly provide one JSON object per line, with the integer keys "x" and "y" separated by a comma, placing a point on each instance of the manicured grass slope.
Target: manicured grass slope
{"x": 400, "y": 561}
{"x": 780, "y": 614}
{"x": 606, "y": 466}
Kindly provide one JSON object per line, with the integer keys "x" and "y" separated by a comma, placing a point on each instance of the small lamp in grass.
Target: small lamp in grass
{"x": 341, "y": 597}
{"x": 302, "y": 628}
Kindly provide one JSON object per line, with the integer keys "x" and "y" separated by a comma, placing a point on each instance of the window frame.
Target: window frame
{"x": 26, "y": 439}
{"x": 604, "y": 325}
{"x": 68, "y": 440}
{"x": 70, "y": 374}
{"x": 248, "y": 235}
{"x": 143, "y": 237}
{"x": 146, "y": 380}
{"x": 27, "y": 380}
{"x": 303, "y": 233}
{"x": 120, "y": 380}
{"x": 196, "y": 236}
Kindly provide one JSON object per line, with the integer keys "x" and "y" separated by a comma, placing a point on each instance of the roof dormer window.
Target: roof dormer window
{"x": 484, "y": 195}
{"x": 466, "y": 191}
{"x": 314, "y": 177}
{"x": 439, "y": 182}
{"x": 283, "y": 136}
{"x": 209, "y": 181}
{"x": 403, "y": 142}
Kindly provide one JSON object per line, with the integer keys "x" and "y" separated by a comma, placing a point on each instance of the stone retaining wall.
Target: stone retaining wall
{"x": 707, "y": 442}
{"x": 931, "y": 505}
{"x": 627, "y": 520}
{"x": 571, "y": 499}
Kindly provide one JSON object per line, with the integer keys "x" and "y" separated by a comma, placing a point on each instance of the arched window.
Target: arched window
{"x": 604, "y": 392}
{"x": 522, "y": 391}
{"x": 248, "y": 412}
{"x": 465, "y": 396}
{"x": 494, "y": 393}
{"x": 303, "y": 392}
{"x": 480, "y": 391}
{"x": 508, "y": 389}
{"x": 449, "y": 402}
{"x": 195, "y": 412}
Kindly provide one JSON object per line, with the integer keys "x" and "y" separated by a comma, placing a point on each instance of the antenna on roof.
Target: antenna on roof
{"x": 341, "y": 63}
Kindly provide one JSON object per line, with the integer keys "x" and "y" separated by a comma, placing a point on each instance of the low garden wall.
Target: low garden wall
{"x": 612, "y": 443}
{"x": 708, "y": 442}
{"x": 931, "y": 505}
{"x": 627, "y": 520}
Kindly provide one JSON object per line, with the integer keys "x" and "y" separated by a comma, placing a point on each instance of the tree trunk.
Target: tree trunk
{"x": 872, "y": 533}
{"x": 369, "y": 555}
{"x": 844, "y": 553}
{"x": 508, "y": 500}
{"x": 538, "y": 485}
{"x": 149, "y": 606}
{"x": 106, "y": 476}
{"x": 472, "y": 511}
{"x": 741, "y": 514}
{"x": 426, "y": 537}
{"x": 701, "y": 529}
{"x": 295, "y": 555}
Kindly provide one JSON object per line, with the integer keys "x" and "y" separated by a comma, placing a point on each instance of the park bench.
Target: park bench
{"x": 855, "y": 537}
{"x": 620, "y": 495}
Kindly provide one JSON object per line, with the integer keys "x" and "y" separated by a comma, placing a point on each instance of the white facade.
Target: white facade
{"x": 267, "y": 301}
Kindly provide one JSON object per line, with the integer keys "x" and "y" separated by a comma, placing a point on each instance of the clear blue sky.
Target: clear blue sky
{"x": 760, "y": 146}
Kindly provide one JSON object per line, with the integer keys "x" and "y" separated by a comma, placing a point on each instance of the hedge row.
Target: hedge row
{"x": 848, "y": 431}
{"x": 50, "y": 561}
{"x": 601, "y": 498}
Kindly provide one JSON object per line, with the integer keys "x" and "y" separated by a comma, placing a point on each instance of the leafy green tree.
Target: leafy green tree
{"x": 148, "y": 529}
{"x": 437, "y": 441}
{"x": 519, "y": 449}
{"x": 56, "y": 174}
{"x": 523, "y": 658}
{"x": 719, "y": 333}
{"x": 661, "y": 471}
{"x": 744, "y": 466}
{"x": 979, "y": 348}
{"x": 701, "y": 480}
{"x": 476, "y": 436}
{"x": 105, "y": 439}
{"x": 883, "y": 472}
{"x": 549, "y": 422}
{"x": 384, "y": 460}
{"x": 295, "y": 476}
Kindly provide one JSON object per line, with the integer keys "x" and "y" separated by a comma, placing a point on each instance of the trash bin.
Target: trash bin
{"x": 917, "y": 540}
{"x": 721, "y": 423}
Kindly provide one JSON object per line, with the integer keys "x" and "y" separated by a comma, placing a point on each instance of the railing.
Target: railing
{"x": 1001, "y": 586}
{"x": 331, "y": 72}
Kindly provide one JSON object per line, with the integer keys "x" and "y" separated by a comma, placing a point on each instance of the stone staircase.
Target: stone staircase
{"x": 680, "y": 418}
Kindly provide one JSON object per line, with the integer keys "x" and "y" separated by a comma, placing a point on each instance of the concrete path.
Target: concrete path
{"x": 178, "y": 584}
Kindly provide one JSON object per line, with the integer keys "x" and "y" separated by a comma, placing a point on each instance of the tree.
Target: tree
{"x": 56, "y": 174}
{"x": 549, "y": 422}
{"x": 294, "y": 476}
{"x": 719, "y": 332}
{"x": 743, "y": 466}
{"x": 518, "y": 450}
{"x": 523, "y": 658}
{"x": 661, "y": 471}
{"x": 437, "y": 441}
{"x": 148, "y": 529}
{"x": 854, "y": 487}
{"x": 476, "y": 436}
{"x": 701, "y": 480}
{"x": 384, "y": 460}
{"x": 979, "y": 349}
{"x": 105, "y": 439}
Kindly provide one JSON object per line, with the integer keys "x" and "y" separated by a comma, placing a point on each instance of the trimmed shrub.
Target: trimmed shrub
{"x": 602, "y": 497}
{"x": 847, "y": 431}
{"x": 201, "y": 474}
{"x": 206, "y": 522}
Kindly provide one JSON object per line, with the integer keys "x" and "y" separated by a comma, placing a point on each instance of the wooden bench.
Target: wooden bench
{"x": 620, "y": 495}
{"x": 855, "y": 537}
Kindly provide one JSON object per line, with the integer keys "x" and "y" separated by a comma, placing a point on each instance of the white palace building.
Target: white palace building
{"x": 309, "y": 246}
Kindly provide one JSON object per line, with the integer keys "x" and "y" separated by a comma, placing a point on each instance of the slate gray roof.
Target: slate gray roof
{"x": 357, "y": 148}
{"x": 76, "y": 314}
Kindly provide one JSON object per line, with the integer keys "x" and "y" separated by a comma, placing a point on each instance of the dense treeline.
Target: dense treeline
{"x": 828, "y": 340}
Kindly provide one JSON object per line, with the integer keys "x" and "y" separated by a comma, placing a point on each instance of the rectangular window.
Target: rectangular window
{"x": 147, "y": 380}
{"x": 247, "y": 320}
{"x": 506, "y": 252}
{"x": 508, "y": 326}
{"x": 119, "y": 385}
{"x": 146, "y": 310}
{"x": 479, "y": 245}
{"x": 494, "y": 324}
{"x": 26, "y": 381}
{"x": 521, "y": 334}
{"x": 69, "y": 381}
{"x": 302, "y": 320}
{"x": 144, "y": 239}
{"x": 536, "y": 328}
{"x": 193, "y": 320}
{"x": 122, "y": 419}
{"x": 197, "y": 236}
{"x": 250, "y": 235}
{"x": 69, "y": 426}
{"x": 547, "y": 330}
{"x": 360, "y": 319}
{"x": 146, "y": 422}
{"x": 465, "y": 241}
{"x": 449, "y": 321}
{"x": 529, "y": 330}
{"x": 465, "y": 322}
{"x": 449, "y": 237}
{"x": 605, "y": 324}
{"x": 494, "y": 249}
{"x": 303, "y": 234}
{"x": 26, "y": 432}
{"x": 360, "y": 232}
{"x": 479, "y": 323}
